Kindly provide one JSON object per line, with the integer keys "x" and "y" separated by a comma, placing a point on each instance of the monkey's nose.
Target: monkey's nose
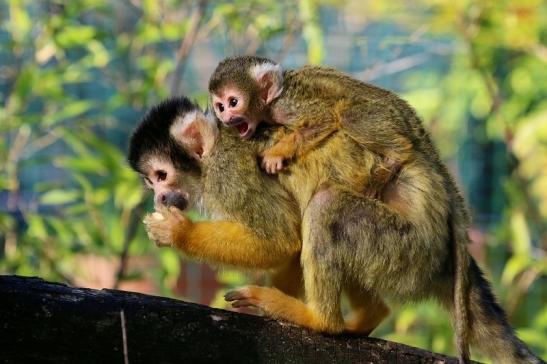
{"x": 173, "y": 198}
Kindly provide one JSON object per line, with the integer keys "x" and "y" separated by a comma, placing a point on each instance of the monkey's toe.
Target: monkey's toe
{"x": 237, "y": 294}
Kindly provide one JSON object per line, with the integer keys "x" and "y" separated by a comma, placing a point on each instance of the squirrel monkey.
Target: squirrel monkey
{"x": 349, "y": 243}
{"x": 313, "y": 102}
{"x": 352, "y": 138}
{"x": 183, "y": 157}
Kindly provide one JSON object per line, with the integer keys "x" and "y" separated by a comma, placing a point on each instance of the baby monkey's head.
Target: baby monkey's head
{"x": 242, "y": 89}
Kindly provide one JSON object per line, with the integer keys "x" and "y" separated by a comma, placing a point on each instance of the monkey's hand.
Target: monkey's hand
{"x": 272, "y": 163}
{"x": 166, "y": 226}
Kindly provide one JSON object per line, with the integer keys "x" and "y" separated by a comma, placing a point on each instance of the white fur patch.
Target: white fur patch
{"x": 181, "y": 122}
{"x": 259, "y": 70}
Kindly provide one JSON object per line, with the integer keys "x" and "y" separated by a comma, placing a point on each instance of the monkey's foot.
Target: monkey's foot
{"x": 276, "y": 304}
{"x": 164, "y": 225}
{"x": 244, "y": 297}
{"x": 272, "y": 164}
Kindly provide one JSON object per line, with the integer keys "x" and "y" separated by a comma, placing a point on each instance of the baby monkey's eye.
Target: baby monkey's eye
{"x": 220, "y": 107}
{"x": 233, "y": 102}
{"x": 162, "y": 175}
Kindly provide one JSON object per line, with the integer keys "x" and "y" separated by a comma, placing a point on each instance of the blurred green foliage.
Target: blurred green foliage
{"x": 76, "y": 75}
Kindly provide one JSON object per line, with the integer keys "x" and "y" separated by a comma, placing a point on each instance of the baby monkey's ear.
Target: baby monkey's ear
{"x": 269, "y": 77}
{"x": 196, "y": 133}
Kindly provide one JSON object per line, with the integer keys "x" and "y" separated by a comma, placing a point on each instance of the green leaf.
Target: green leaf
{"x": 59, "y": 197}
{"x": 19, "y": 23}
{"x": 516, "y": 265}
{"x": 83, "y": 165}
{"x": 520, "y": 241}
{"x": 37, "y": 227}
{"x": 75, "y": 35}
{"x": 71, "y": 109}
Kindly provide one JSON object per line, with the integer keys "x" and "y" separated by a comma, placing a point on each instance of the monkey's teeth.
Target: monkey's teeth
{"x": 158, "y": 216}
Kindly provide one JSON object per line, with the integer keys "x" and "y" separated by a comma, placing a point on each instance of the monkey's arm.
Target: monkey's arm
{"x": 223, "y": 242}
{"x": 308, "y": 134}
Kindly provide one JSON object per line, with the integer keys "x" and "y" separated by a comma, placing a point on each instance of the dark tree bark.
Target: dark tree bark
{"x": 42, "y": 322}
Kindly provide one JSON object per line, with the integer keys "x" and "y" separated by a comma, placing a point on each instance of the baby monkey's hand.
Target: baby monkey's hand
{"x": 272, "y": 163}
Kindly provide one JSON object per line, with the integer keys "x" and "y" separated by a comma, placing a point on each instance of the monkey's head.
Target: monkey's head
{"x": 242, "y": 89}
{"x": 166, "y": 149}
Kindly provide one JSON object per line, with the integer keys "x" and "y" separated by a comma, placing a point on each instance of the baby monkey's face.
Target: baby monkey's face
{"x": 231, "y": 106}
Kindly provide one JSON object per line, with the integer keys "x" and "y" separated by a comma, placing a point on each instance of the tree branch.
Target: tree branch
{"x": 54, "y": 323}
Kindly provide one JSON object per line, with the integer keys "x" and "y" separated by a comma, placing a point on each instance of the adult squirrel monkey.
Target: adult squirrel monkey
{"x": 186, "y": 160}
{"x": 408, "y": 247}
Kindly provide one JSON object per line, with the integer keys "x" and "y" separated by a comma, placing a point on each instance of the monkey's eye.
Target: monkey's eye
{"x": 233, "y": 102}
{"x": 220, "y": 107}
{"x": 161, "y": 175}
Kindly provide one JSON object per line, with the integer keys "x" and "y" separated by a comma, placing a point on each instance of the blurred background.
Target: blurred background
{"x": 76, "y": 76}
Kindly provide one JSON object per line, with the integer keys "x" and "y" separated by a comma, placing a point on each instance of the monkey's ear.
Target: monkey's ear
{"x": 269, "y": 77}
{"x": 196, "y": 133}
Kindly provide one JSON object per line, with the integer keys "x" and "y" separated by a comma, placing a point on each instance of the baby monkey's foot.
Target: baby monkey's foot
{"x": 272, "y": 163}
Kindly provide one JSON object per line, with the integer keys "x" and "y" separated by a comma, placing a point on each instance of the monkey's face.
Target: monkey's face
{"x": 232, "y": 107}
{"x": 161, "y": 176}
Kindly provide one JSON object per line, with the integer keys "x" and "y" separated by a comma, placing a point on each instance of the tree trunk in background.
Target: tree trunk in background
{"x": 53, "y": 323}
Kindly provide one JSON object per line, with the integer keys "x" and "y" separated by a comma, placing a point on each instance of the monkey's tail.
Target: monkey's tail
{"x": 461, "y": 292}
{"x": 478, "y": 317}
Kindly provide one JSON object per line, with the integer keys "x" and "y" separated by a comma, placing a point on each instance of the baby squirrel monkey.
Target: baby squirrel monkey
{"x": 313, "y": 102}
{"x": 408, "y": 243}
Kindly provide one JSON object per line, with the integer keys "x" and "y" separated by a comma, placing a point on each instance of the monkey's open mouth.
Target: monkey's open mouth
{"x": 243, "y": 128}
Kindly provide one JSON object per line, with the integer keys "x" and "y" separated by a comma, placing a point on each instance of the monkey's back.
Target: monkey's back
{"x": 235, "y": 188}
{"x": 422, "y": 191}
{"x": 328, "y": 87}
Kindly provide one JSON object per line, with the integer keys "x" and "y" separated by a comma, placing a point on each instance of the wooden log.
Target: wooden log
{"x": 43, "y": 322}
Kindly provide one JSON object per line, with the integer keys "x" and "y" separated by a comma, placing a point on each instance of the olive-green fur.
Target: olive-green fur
{"x": 409, "y": 244}
{"x": 234, "y": 187}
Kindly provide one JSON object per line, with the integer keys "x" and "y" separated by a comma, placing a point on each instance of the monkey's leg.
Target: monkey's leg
{"x": 380, "y": 127}
{"x": 346, "y": 237}
{"x": 323, "y": 288}
{"x": 288, "y": 279}
{"x": 224, "y": 242}
{"x": 368, "y": 310}
{"x": 322, "y": 281}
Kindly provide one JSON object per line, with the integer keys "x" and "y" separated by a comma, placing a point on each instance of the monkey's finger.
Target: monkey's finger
{"x": 177, "y": 213}
{"x": 271, "y": 168}
{"x": 245, "y": 303}
{"x": 147, "y": 219}
{"x": 161, "y": 210}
